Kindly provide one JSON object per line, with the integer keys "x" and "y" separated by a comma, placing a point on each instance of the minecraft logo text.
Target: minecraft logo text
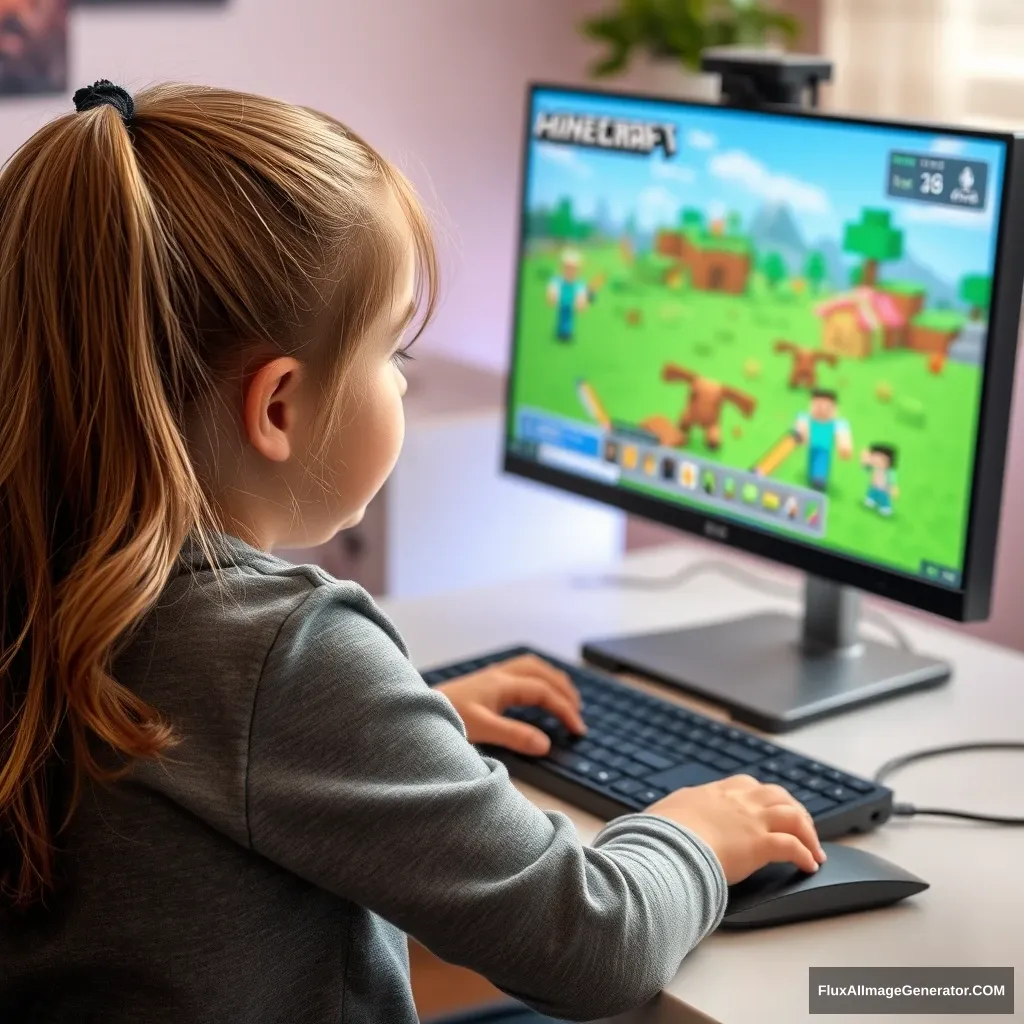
{"x": 641, "y": 137}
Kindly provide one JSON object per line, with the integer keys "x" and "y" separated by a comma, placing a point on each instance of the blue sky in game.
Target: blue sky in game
{"x": 732, "y": 160}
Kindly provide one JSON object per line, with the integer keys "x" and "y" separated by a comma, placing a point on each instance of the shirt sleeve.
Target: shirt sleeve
{"x": 362, "y": 782}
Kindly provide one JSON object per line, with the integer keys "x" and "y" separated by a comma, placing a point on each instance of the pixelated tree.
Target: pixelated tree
{"x": 875, "y": 240}
{"x": 562, "y": 224}
{"x": 976, "y": 291}
{"x": 691, "y": 219}
{"x": 816, "y": 269}
{"x": 774, "y": 269}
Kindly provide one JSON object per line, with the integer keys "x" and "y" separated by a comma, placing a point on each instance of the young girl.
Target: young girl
{"x": 225, "y": 793}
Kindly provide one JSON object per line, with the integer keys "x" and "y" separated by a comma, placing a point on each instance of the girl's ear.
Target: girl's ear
{"x": 270, "y": 407}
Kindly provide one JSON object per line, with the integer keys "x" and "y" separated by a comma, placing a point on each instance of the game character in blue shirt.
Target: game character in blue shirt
{"x": 880, "y": 461}
{"x": 823, "y": 433}
{"x": 569, "y": 294}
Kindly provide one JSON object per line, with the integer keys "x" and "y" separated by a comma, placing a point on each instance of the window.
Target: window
{"x": 960, "y": 61}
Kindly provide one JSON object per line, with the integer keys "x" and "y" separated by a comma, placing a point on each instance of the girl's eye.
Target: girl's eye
{"x": 401, "y": 357}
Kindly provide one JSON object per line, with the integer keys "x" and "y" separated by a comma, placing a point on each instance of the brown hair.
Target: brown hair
{"x": 139, "y": 263}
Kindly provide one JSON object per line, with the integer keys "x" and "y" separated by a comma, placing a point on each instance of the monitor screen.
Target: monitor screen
{"x": 774, "y": 320}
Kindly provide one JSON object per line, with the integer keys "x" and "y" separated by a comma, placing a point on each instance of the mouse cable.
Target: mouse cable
{"x": 746, "y": 578}
{"x": 903, "y": 810}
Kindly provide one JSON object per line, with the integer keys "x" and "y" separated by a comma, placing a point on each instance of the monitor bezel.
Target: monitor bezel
{"x": 971, "y": 601}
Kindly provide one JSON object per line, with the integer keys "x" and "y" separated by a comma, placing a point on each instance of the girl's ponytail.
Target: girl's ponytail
{"x": 150, "y": 250}
{"x": 96, "y": 489}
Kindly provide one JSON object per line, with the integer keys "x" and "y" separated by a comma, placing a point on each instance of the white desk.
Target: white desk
{"x": 967, "y": 918}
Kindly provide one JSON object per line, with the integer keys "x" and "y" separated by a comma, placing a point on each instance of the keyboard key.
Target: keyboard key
{"x": 616, "y": 760}
{"x": 685, "y": 775}
{"x": 626, "y": 748}
{"x": 819, "y": 805}
{"x": 833, "y": 775}
{"x": 628, "y": 787}
{"x": 794, "y": 775}
{"x": 860, "y": 785}
{"x": 715, "y": 727}
{"x": 649, "y": 795}
{"x": 741, "y": 753}
{"x": 635, "y": 770}
{"x": 817, "y": 784}
{"x": 601, "y": 756}
{"x": 572, "y": 761}
{"x": 703, "y": 754}
{"x": 655, "y": 761}
{"x": 725, "y": 764}
{"x": 716, "y": 742}
{"x": 803, "y": 795}
{"x": 698, "y": 735}
{"x": 839, "y": 794}
{"x": 734, "y": 734}
{"x": 604, "y": 776}
{"x": 774, "y": 766}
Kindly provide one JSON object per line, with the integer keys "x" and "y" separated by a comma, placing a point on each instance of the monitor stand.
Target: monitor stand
{"x": 773, "y": 671}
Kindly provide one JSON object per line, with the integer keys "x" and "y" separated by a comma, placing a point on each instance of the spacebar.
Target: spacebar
{"x": 683, "y": 775}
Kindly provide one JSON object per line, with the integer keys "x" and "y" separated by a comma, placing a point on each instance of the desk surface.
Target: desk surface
{"x": 965, "y": 919}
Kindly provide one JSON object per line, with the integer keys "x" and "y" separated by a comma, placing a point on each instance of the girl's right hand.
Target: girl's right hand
{"x": 747, "y": 824}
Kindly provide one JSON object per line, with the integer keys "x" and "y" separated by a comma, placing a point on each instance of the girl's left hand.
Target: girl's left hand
{"x": 526, "y": 681}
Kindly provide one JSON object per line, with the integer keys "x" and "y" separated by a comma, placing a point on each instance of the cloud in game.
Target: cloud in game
{"x": 656, "y": 206}
{"x": 947, "y": 146}
{"x": 742, "y": 169}
{"x": 698, "y": 139}
{"x": 673, "y": 172}
{"x": 565, "y": 157}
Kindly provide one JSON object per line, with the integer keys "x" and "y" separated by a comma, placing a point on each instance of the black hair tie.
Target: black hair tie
{"x": 104, "y": 92}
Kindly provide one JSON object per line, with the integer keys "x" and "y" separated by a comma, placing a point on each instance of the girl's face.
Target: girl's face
{"x": 371, "y": 427}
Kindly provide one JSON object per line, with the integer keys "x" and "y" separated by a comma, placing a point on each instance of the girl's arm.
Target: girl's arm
{"x": 361, "y": 781}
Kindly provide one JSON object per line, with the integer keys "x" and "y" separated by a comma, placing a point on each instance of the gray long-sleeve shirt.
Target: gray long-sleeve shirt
{"x": 323, "y": 800}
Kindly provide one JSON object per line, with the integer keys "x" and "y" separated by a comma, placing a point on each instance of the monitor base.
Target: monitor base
{"x": 761, "y": 670}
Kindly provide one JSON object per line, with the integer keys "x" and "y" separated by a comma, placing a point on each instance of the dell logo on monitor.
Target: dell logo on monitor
{"x": 716, "y": 530}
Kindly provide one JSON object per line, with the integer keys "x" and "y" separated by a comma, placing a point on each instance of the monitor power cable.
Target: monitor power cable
{"x": 776, "y": 588}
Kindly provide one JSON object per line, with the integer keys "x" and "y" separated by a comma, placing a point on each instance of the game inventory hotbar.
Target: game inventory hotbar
{"x": 634, "y": 456}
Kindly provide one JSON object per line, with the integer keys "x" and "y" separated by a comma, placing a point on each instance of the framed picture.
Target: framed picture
{"x": 33, "y": 47}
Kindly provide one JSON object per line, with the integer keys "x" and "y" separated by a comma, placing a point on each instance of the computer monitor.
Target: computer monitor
{"x": 790, "y": 333}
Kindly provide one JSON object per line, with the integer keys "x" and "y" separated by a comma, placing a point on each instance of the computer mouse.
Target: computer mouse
{"x": 848, "y": 881}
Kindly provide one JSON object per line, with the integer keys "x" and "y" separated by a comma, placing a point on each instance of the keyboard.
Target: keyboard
{"x": 639, "y": 748}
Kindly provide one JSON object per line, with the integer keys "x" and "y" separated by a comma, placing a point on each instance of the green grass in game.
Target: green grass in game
{"x": 638, "y": 323}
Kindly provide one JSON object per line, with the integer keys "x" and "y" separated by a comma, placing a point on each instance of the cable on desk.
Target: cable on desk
{"x": 737, "y": 574}
{"x": 904, "y": 810}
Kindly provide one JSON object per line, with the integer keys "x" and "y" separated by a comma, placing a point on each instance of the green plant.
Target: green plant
{"x": 681, "y": 30}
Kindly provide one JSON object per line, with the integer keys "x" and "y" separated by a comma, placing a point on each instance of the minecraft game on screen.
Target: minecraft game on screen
{"x": 780, "y": 320}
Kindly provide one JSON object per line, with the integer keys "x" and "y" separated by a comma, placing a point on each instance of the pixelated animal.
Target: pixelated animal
{"x": 804, "y": 370}
{"x": 634, "y": 317}
{"x": 884, "y": 392}
{"x": 703, "y": 407}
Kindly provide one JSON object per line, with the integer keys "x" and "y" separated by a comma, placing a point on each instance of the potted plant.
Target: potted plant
{"x": 669, "y": 37}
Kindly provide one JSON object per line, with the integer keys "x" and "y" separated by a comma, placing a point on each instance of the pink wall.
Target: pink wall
{"x": 437, "y": 85}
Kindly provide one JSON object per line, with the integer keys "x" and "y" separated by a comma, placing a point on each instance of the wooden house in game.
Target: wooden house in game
{"x": 934, "y": 331}
{"x": 715, "y": 262}
{"x": 861, "y": 322}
